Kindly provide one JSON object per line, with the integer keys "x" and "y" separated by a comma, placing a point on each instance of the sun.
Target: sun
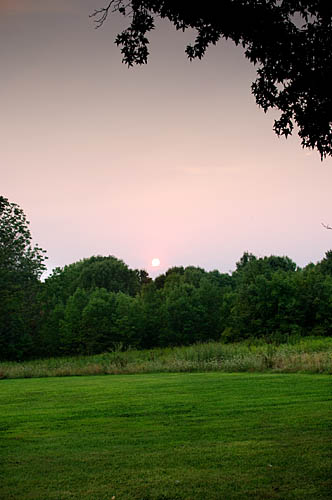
{"x": 155, "y": 262}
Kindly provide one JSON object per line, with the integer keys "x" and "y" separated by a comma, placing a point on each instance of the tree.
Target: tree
{"x": 97, "y": 322}
{"x": 126, "y": 321}
{"x": 21, "y": 265}
{"x": 70, "y": 328}
{"x": 325, "y": 265}
{"x": 264, "y": 306}
{"x": 95, "y": 272}
{"x": 289, "y": 40}
{"x": 186, "y": 314}
{"x": 313, "y": 298}
{"x": 153, "y": 321}
{"x": 19, "y": 261}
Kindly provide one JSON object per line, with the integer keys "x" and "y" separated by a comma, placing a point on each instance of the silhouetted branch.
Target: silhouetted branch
{"x": 326, "y": 226}
{"x": 102, "y": 14}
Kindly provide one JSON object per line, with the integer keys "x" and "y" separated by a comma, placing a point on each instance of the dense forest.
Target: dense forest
{"x": 98, "y": 303}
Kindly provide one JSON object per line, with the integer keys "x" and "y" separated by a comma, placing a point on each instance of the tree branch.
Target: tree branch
{"x": 102, "y": 14}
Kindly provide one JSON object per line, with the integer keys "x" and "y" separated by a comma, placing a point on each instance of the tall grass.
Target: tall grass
{"x": 308, "y": 355}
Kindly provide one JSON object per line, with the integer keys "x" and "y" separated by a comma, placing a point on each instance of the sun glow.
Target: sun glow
{"x": 155, "y": 262}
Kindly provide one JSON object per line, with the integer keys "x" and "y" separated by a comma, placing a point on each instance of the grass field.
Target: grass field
{"x": 187, "y": 436}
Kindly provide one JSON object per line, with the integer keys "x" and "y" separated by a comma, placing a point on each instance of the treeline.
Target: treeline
{"x": 99, "y": 304}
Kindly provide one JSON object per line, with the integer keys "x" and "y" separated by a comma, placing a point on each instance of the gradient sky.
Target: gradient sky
{"x": 171, "y": 160}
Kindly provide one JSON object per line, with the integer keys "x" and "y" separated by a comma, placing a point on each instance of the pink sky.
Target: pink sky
{"x": 171, "y": 160}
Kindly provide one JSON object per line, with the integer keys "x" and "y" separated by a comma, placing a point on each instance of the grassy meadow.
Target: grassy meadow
{"x": 184, "y": 436}
{"x": 306, "y": 355}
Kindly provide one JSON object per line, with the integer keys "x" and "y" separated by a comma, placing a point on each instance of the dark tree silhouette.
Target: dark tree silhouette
{"x": 289, "y": 40}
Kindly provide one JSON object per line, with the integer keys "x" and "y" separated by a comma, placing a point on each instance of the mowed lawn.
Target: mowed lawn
{"x": 194, "y": 436}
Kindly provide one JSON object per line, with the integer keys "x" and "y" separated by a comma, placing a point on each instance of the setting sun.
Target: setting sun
{"x": 155, "y": 262}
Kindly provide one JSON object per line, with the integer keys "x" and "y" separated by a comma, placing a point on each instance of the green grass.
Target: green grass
{"x": 307, "y": 355}
{"x": 185, "y": 436}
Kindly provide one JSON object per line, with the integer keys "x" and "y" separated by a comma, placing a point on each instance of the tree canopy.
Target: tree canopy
{"x": 21, "y": 266}
{"x": 290, "y": 41}
{"x": 17, "y": 256}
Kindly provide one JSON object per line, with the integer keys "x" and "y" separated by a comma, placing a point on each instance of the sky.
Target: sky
{"x": 173, "y": 159}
